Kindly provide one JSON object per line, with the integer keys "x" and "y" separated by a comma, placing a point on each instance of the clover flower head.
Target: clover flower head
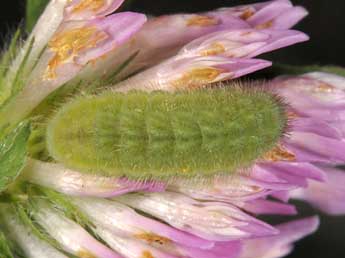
{"x": 124, "y": 135}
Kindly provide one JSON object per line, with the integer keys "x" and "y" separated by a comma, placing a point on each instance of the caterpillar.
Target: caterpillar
{"x": 160, "y": 135}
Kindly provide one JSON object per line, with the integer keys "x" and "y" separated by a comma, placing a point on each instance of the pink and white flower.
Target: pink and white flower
{"x": 207, "y": 219}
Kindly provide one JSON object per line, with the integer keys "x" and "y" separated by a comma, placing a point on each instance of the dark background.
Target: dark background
{"x": 325, "y": 25}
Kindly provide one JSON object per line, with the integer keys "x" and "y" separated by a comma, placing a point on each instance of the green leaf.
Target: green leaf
{"x": 34, "y": 8}
{"x": 5, "y": 250}
{"x": 13, "y": 147}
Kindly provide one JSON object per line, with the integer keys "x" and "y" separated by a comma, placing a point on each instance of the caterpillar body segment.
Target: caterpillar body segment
{"x": 161, "y": 135}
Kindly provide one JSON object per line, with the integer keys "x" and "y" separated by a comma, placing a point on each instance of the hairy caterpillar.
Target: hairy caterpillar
{"x": 160, "y": 135}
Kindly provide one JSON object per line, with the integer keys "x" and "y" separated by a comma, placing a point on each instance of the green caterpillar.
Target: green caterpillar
{"x": 160, "y": 135}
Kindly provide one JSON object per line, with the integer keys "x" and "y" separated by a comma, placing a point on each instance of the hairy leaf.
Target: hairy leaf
{"x": 12, "y": 154}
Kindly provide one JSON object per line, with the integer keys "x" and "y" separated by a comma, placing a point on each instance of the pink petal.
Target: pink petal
{"x": 281, "y": 39}
{"x": 323, "y": 89}
{"x": 327, "y": 196}
{"x": 260, "y": 183}
{"x": 162, "y": 37}
{"x": 285, "y": 175}
{"x": 278, "y": 14}
{"x": 290, "y": 18}
{"x": 263, "y": 207}
{"x": 281, "y": 244}
{"x": 120, "y": 28}
{"x": 283, "y": 196}
{"x": 328, "y": 78}
{"x": 316, "y": 127}
{"x": 70, "y": 235}
{"x": 269, "y": 10}
{"x": 208, "y": 220}
{"x": 74, "y": 45}
{"x": 87, "y": 10}
{"x": 299, "y": 169}
{"x": 188, "y": 73}
{"x": 313, "y": 147}
{"x": 128, "y": 247}
{"x": 122, "y": 220}
{"x": 242, "y": 43}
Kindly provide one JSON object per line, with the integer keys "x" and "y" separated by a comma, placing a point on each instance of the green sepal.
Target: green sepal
{"x": 24, "y": 212}
{"x": 5, "y": 250}
{"x": 62, "y": 203}
{"x": 13, "y": 149}
{"x": 34, "y": 9}
{"x": 19, "y": 79}
{"x": 12, "y": 85}
{"x": 9, "y": 54}
{"x": 5, "y": 62}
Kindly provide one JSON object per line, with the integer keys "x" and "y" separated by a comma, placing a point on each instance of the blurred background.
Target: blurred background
{"x": 325, "y": 25}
